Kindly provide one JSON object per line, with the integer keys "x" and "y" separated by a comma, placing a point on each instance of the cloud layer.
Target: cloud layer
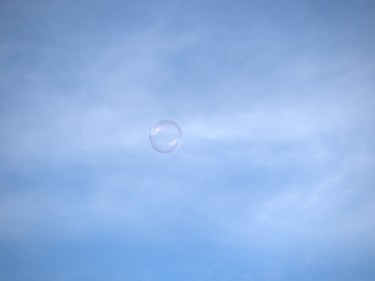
{"x": 274, "y": 177}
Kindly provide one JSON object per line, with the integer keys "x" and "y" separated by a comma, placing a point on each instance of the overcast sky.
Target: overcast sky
{"x": 274, "y": 179}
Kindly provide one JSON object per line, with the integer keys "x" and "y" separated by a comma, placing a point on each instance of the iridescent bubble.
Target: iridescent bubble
{"x": 165, "y": 136}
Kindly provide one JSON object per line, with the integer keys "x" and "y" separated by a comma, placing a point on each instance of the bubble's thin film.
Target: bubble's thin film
{"x": 165, "y": 136}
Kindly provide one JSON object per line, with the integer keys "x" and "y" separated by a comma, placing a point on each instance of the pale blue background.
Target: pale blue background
{"x": 274, "y": 179}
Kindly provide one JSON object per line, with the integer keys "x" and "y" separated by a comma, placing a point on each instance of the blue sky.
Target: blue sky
{"x": 274, "y": 178}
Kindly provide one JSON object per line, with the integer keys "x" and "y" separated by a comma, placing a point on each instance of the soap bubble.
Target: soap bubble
{"x": 165, "y": 136}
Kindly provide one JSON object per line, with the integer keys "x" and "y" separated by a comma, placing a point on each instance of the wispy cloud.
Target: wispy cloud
{"x": 276, "y": 113}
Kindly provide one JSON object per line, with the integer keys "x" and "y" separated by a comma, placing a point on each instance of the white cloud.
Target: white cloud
{"x": 272, "y": 122}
